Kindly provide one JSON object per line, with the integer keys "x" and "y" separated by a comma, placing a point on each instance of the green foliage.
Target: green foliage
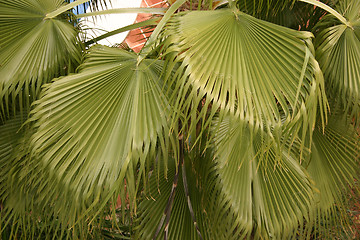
{"x": 240, "y": 62}
{"x": 270, "y": 191}
{"x": 30, "y": 53}
{"x": 338, "y": 48}
{"x": 230, "y": 124}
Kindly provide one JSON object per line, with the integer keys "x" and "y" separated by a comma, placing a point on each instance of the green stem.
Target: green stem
{"x": 232, "y": 5}
{"x": 124, "y": 10}
{"x": 62, "y": 9}
{"x": 123, "y": 29}
{"x": 158, "y": 28}
{"x": 328, "y": 9}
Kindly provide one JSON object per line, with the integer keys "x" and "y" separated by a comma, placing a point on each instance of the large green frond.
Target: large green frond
{"x": 271, "y": 195}
{"x": 32, "y": 50}
{"x": 90, "y": 125}
{"x": 253, "y": 68}
{"x": 338, "y": 52}
{"x": 94, "y": 129}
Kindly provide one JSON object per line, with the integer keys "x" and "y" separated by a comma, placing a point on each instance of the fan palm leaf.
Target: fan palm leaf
{"x": 250, "y": 67}
{"x": 92, "y": 130}
{"x": 29, "y": 49}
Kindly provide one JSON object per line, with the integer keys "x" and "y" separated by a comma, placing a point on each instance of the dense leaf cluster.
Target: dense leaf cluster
{"x": 237, "y": 120}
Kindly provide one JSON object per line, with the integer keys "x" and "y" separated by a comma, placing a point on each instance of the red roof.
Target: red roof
{"x": 137, "y": 37}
